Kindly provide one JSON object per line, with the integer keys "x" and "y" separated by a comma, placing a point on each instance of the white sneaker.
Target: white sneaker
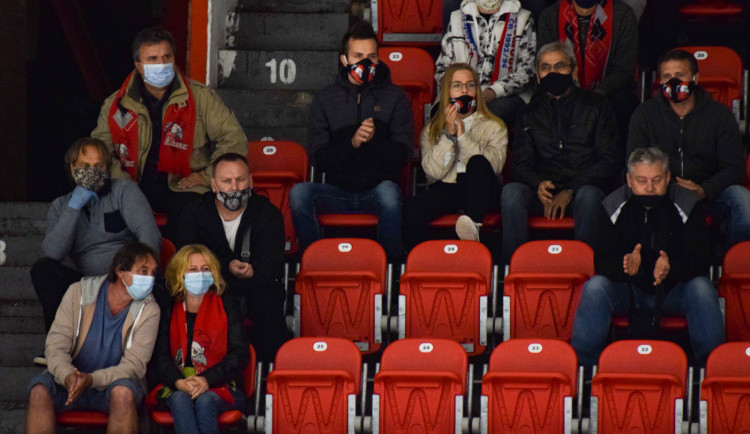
{"x": 466, "y": 229}
{"x": 40, "y": 360}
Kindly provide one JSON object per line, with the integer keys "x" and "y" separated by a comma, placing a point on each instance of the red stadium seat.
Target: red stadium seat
{"x": 408, "y": 21}
{"x": 420, "y": 387}
{"x": 414, "y": 70}
{"x": 545, "y": 224}
{"x": 639, "y": 387}
{"x": 313, "y": 386}
{"x": 229, "y": 418}
{"x": 82, "y": 418}
{"x": 167, "y": 251}
{"x": 543, "y": 286}
{"x": 340, "y": 289}
{"x": 734, "y": 286}
{"x": 529, "y": 387}
{"x": 276, "y": 166}
{"x": 714, "y": 9}
{"x": 725, "y": 392}
{"x": 161, "y": 219}
{"x": 444, "y": 293}
{"x": 491, "y": 221}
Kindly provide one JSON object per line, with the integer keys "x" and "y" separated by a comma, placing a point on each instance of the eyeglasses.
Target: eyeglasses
{"x": 457, "y": 85}
{"x": 559, "y": 66}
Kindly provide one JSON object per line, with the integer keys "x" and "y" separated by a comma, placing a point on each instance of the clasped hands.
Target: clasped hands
{"x": 194, "y": 386}
{"x": 554, "y": 204}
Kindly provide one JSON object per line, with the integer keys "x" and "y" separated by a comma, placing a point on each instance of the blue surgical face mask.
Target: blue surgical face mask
{"x": 141, "y": 286}
{"x": 197, "y": 283}
{"x": 158, "y": 74}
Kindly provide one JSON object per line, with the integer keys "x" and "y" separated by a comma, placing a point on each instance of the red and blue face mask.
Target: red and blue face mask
{"x": 677, "y": 90}
{"x": 363, "y": 71}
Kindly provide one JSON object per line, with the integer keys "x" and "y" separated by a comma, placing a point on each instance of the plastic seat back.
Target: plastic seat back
{"x": 443, "y": 293}
{"x": 413, "y": 69}
{"x": 529, "y": 387}
{"x": 720, "y": 73}
{"x": 639, "y": 387}
{"x": 408, "y": 21}
{"x": 168, "y": 250}
{"x": 725, "y": 392}
{"x": 420, "y": 387}
{"x": 313, "y": 386}
{"x": 276, "y": 166}
{"x": 543, "y": 286}
{"x": 734, "y": 286}
{"x": 340, "y": 289}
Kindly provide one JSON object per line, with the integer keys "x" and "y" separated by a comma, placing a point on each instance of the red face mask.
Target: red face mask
{"x": 677, "y": 90}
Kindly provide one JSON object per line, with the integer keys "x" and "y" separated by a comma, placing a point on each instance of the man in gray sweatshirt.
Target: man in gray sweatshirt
{"x": 88, "y": 225}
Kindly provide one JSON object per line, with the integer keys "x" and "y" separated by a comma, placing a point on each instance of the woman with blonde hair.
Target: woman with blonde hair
{"x": 463, "y": 152}
{"x": 201, "y": 348}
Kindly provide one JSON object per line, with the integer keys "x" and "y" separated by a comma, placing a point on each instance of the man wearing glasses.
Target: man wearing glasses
{"x": 567, "y": 150}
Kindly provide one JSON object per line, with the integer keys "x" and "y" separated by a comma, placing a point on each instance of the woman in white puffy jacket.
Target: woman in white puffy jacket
{"x": 463, "y": 152}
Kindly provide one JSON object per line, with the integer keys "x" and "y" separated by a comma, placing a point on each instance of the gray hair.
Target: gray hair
{"x": 648, "y": 156}
{"x": 557, "y": 46}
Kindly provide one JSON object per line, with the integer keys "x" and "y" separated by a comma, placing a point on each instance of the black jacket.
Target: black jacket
{"x": 677, "y": 226}
{"x": 572, "y": 141}
{"x": 335, "y": 115}
{"x": 201, "y": 224}
{"x": 704, "y": 146}
{"x": 228, "y": 369}
{"x": 623, "y": 55}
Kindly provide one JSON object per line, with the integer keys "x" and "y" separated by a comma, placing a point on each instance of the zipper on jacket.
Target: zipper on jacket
{"x": 359, "y": 105}
{"x": 679, "y": 148}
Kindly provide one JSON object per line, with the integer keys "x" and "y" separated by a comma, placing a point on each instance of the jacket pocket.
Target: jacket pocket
{"x": 113, "y": 222}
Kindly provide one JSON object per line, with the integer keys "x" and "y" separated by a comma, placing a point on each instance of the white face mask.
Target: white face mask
{"x": 489, "y": 5}
{"x": 158, "y": 74}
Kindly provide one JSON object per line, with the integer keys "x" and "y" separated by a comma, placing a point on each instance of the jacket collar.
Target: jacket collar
{"x": 683, "y": 200}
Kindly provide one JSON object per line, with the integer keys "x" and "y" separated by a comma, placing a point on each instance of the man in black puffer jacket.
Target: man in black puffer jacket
{"x": 361, "y": 131}
{"x": 650, "y": 258}
{"x": 702, "y": 139}
{"x": 567, "y": 150}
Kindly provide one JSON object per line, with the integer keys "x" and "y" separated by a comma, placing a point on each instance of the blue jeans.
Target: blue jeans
{"x": 202, "y": 414}
{"x": 696, "y": 299}
{"x": 91, "y": 399}
{"x": 518, "y": 201}
{"x": 733, "y": 205}
{"x": 307, "y": 200}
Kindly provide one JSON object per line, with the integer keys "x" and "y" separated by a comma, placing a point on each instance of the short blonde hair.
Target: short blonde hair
{"x": 180, "y": 264}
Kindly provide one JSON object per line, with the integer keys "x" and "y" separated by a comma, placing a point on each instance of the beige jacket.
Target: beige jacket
{"x": 486, "y": 137}
{"x": 72, "y": 323}
{"x": 217, "y": 131}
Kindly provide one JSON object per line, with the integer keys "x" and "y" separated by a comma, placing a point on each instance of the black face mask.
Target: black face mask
{"x": 677, "y": 90}
{"x": 363, "y": 71}
{"x": 555, "y": 83}
{"x": 585, "y": 4}
{"x": 650, "y": 201}
{"x": 465, "y": 104}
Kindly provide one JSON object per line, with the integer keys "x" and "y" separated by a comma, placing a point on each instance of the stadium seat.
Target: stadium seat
{"x": 340, "y": 287}
{"x": 543, "y": 286}
{"x": 167, "y": 251}
{"x": 414, "y": 70}
{"x": 444, "y": 292}
{"x": 713, "y": 9}
{"x": 420, "y": 388}
{"x": 529, "y": 387}
{"x": 725, "y": 392}
{"x": 408, "y": 21}
{"x": 313, "y": 387}
{"x": 734, "y": 287}
{"x": 545, "y": 224}
{"x": 639, "y": 387}
{"x": 82, "y": 419}
{"x": 163, "y": 418}
{"x": 276, "y": 166}
{"x": 161, "y": 219}
{"x": 491, "y": 221}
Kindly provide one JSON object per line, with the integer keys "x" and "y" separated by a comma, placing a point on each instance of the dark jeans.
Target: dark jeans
{"x": 51, "y": 279}
{"x": 518, "y": 201}
{"x": 200, "y": 415}
{"x": 265, "y": 307}
{"x": 166, "y": 201}
{"x": 475, "y": 192}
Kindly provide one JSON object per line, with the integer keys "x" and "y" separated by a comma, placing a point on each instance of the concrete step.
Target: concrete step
{"x": 21, "y": 317}
{"x": 294, "y": 5}
{"x": 22, "y": 226}
{"x": 15, "y": 381}
{"x": 12, "y": 417}
{"x": 15, "y": 283}
{"x": 25, "y": 348}
{"x": 280, "y": 109}
{"x": 298, "y": 135}
{"x": 24, "y": 210}
{"x": 22, "y": 250}
{"x": 287, "y": 31}
{"x": 277, "y": 70}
